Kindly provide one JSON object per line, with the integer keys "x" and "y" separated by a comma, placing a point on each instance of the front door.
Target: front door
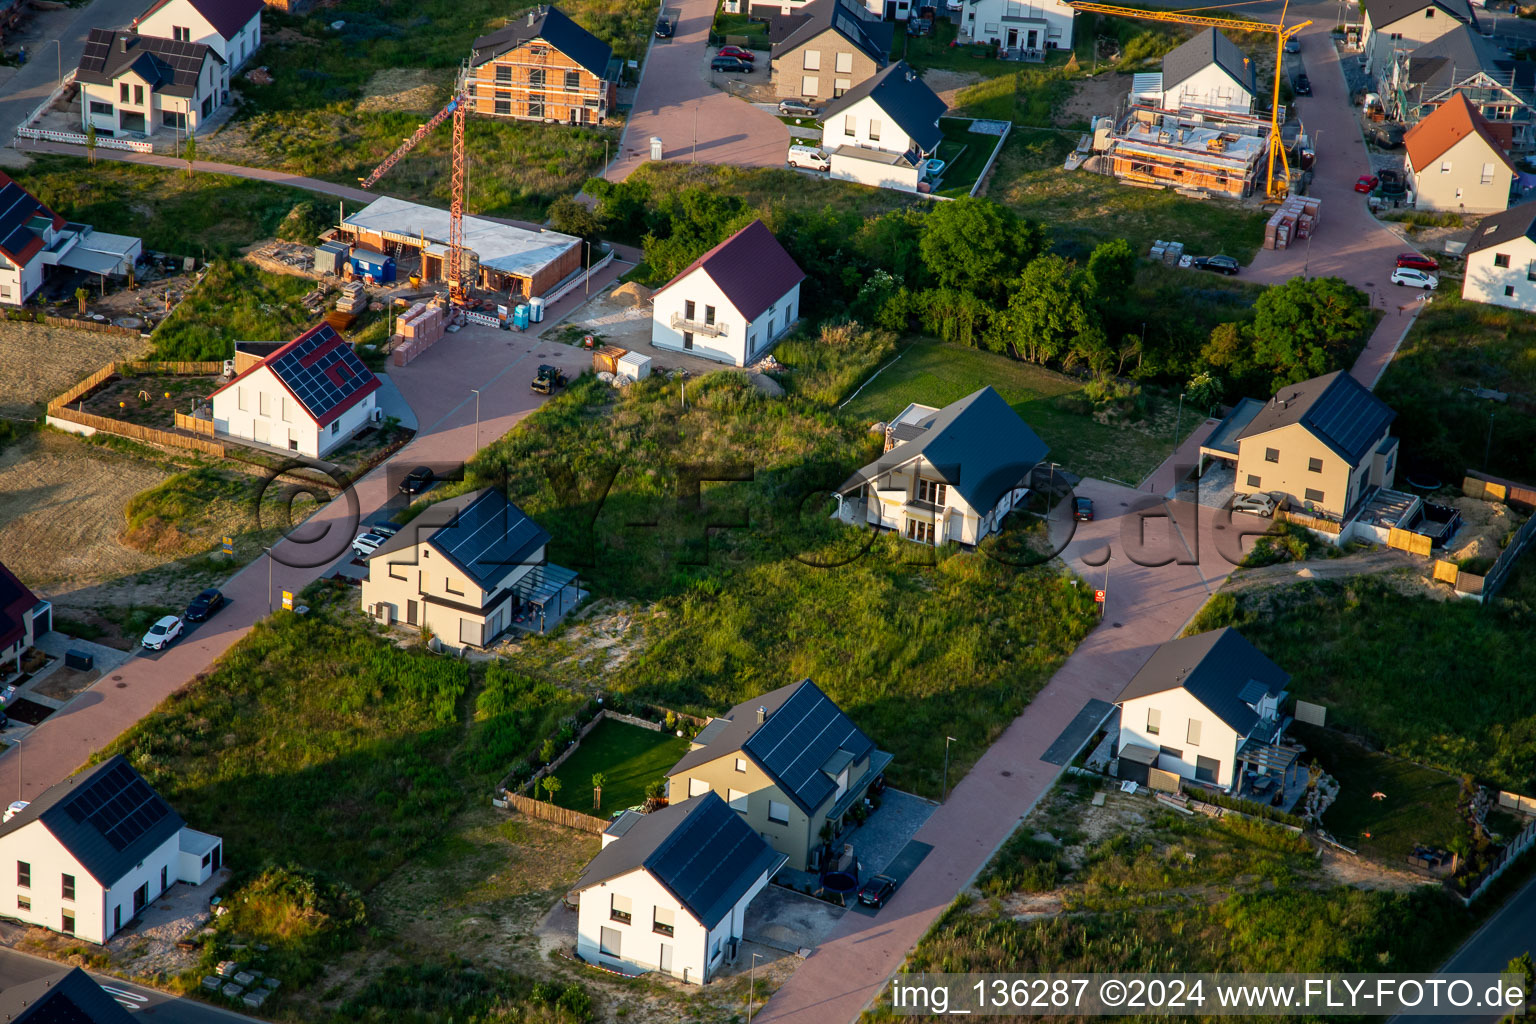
{"x": 117, "y": 918}
{"x": 1032, "y": 39}
{"x": 666, "y": 959}
{"x": 1013, "y": 38}
{"x": 410, "y": 613}
{"x": 140, "y": 898}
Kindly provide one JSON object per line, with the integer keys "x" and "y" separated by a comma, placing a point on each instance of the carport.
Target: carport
{"x": 550, "y": 591}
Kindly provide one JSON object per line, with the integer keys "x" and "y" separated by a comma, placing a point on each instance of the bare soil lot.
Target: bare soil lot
{"x": 150, "y": 400}
{"x": 38, "y": 362}
{"x": 1093, "y": 97}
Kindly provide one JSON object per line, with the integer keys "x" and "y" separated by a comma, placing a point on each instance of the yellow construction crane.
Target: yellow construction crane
{"x": 1281, "y": 32}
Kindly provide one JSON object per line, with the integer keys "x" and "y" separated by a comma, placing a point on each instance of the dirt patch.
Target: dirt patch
{"x": 614, "y": 319}
{"x": 598, "y": 638}
{"x": 61, "y": 510}
{"x": 1093, "y": 97}
{"x": 28, "y": 380}
{"x": 63, "y": 683}
{"x": 414, "y": 89}
{"x": 1486, "y": 526}
{"x": 946, "y": 84}
{"x": 1360, "y": 873}
{"x": 150, "y": 400}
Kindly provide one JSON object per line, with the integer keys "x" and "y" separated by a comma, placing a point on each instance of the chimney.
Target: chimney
{"x": 122, "y": 42}
{"x": 762, "y": 714}
{"x": 531, "y": 16}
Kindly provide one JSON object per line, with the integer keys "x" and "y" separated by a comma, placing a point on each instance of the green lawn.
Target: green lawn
{"x": 966, "y": 153}
{"x": 1418, "y": 804}
{"x": 630, "y": 757}
{"x": 937, "y": 50}
{"x": 234, "y": 302}
{"x": 1091, "y": 208}
{"x": 1395, "y": 669}
{"x": 1452, "y": 346}
{"x": 741, "y": 26}
{"x": 936, "y": 374}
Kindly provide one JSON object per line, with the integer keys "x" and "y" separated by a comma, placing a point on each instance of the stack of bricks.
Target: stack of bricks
{"x": 417, "y": 329}
{"x": 352, "y": 300}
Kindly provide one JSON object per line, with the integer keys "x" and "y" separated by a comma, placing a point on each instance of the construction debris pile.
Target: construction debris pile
{"x": 417, "y": 329}
{"x": 1293, "y": 222}
{"x": 352, "y": 300}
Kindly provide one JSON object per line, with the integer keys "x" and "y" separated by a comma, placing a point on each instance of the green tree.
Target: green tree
{"x": 956, "y": 316}
{"x": 82, "y": 297}
{"x": 1305, "y": 328}
{"x": 598, "y": 778}
{"x": 688, "y": 224}
{"x": 1112, "y": 270}
{"x": 551, "y": 786}
{"x": 893, "y": 242}
{"x": 547, "y": 751}
{"x": 191, "y": 152}
{"x": 1046, "y": 310}
{"x": 1525, "y": 968}
{"x": 571, "y": 217}
{"x": 1230, "y": 349}
{"x": 621, "y": 206}
{"x": 976, "y": 245}
{"x": 1203, "y": 390}
{"x": 90, "y": 143}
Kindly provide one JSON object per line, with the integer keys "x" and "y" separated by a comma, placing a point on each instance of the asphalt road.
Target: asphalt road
{"x": 1502, "y": 937}
{"x": 37, "y": 79}
{"x": 146, "y": 1003}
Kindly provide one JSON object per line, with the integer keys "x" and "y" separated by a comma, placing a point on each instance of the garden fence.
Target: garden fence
{"x": 1488, "y": 488}
{"x": 1521, "y": 843}
{"x": 58, "y": 409}
{"x": 194, "y": 424}
{"x": 556, "y": 814}
{"x": 1309, "y": 522}
{"x": 91, "y": 325}
{"x": 134, "y": 431}
{"x": 1517, "y": 802}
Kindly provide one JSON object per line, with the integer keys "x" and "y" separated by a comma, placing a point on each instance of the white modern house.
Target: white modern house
{"x": 23, "y": 618}
{"x": 309, "y": 396}
{"x": 34, "y": 238}
{"x": 669, "y": 890}
{"x": 1208, "y": 72}
{"x": 949, "y": 474}
{"x": 733, "y": 303}
{"x": 884, "y": 131}
{"x": 1393, "y": 26}
{"x": 1501, "y": 260}
{"x": 1205, "y": 708}
{"x": 137, "y": 85}
{"x": 231, "y": 28}
{"x": 1031, "y": 26}
{"x": 91, "y": 852}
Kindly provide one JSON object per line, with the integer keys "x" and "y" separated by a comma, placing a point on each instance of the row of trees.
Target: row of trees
{"x": 974, "y": 273}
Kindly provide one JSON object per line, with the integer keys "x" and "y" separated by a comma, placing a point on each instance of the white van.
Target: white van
{"x": 809, "y": 157}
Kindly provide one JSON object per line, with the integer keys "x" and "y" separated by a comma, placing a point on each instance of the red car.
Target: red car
{"x": 1365, "y": 183}
{"x": 738, "y": 53}
{"x": 1417, "y": 262}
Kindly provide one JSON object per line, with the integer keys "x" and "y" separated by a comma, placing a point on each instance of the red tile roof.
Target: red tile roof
{"x": 321, "y": 372}
{"x": 17, "y": 207}
{"x": 1432, "y": 137}
{"x": 15, "y": 601}
{"x": 750, "y": 267}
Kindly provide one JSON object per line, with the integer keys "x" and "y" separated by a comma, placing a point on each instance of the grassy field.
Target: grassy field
{"x": 936, "y": 374}
{"x": 1382, "y": 663}
{"x": 1452, "y": 346}
{"x": 206, "y": 216}
{"x": 342, "y": 99}
{"x": 1155, "y": 891}
{"x": 1092, "y": 208}
{"x": 233, "y": 302}
{"x": 630, "y": 757}
{"x": 967, "y": 154}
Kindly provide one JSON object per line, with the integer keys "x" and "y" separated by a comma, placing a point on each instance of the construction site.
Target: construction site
{"x": 1170, "y": 150}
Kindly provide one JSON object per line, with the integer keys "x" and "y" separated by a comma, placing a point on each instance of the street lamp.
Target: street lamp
{"x": 944, "y": 793}
{"x": 752, "y": 984}
{"x": 269, "y": 580}
{"x": 58, "y": 56}
{"x": 477, "y": 417}
{"x": 1178, "y": 423}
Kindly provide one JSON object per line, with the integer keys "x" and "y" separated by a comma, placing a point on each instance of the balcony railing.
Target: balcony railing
{"x": 698, "y": 327}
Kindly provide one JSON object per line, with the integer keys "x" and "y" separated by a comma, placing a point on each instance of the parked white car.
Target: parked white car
{"x": 365, "y": 543}
{"x": 1415, "y": 278}
{"x": 810, "y": 158}
{"x": 162, "y": 634}
{"x": 1259, "y": 504}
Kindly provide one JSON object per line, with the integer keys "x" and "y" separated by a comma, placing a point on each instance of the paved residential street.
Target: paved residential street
{"x": 676, "y": 101}
{"x": 437, "y": 385}
{"x": 1504, "y": 936}
{"x": 32, "y": 84}
{"x": 145, "y": 1003}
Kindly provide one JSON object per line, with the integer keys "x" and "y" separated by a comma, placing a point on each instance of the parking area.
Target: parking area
{"x": 881, "y": 838}
{"x": 789, "y": 921}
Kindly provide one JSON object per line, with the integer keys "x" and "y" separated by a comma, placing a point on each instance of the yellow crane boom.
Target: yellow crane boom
{"x": 1281, "y": 32}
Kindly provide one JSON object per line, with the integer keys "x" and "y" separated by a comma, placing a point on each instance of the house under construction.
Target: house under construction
{"x": 1221, "y": 159}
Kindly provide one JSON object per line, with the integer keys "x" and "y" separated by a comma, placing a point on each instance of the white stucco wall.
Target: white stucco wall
{"x": 1178, "y": 707}
{"x": 903, "y": 177}
{"x": 743, "y": 342}
{"x": 984, "y": 21}
{"x": 1486, "y": 282}
{"x": 18, "y": 283}
{"x": 93, "y": 904}
{"x": 1210, "y": 88}
{"x": 859, "y": 125}
{"x": 213, "y": 82}
{"x": 639, "y": 945}
{"x": 1455, "y": 180}
{"x": 235, "y": 50}
{"x": 258, "y": 408}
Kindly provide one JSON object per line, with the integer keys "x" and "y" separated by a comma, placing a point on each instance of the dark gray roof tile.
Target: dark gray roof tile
{"x": 1335, "y": 408}
{"x": 168, "y": 65}
{"x": 1209, "y": 47}
{"x": 906, "y": 100}
{"x": 553, "y": 26}
{"x": 1220, "y": 669}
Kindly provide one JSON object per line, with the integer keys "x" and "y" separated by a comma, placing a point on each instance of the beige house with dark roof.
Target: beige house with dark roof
{"x": 835, "y": 48}
{"x": 789, "y": 762}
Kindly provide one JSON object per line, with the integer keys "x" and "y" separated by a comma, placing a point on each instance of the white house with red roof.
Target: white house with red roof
{"x": 733, "y": 303}
{"x": 27, "y": 230}
{"x": 309, "y": 396}
{"x": 230, "y": 28}
{"x": 23, "y": 618}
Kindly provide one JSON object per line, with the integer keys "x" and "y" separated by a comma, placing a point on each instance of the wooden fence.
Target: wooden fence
{"x": 138, "y": 433}
{"x": 1517, "y": 802}
{"x": 1309, "y": 522}
{"x": 91, "y": 325}
{"x": 1407, "y": 540}
{"x": 58, "y": 409}
{"x": 558, "y": 815}
{"x": 195, "y": 424}
{"x": 1493, "y": 488}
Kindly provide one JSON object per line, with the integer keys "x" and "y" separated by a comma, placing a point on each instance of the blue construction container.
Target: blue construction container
{"x": 367, "y": 261}
{"x": 520, "y": 316}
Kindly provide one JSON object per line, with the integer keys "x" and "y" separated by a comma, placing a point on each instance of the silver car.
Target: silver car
{"x": 1259, "y": 504}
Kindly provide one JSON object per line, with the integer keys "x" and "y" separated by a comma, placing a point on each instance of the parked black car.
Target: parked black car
{"x": 664, "y": 29}
{"x": 1220, "y": 264}
{"x": 417, "y": 480}
{"x": 730, "y": 64}
{"x": 204, "y": 605}
{"x": 548, "y": 380}
{"x": 1302, "y": 86}
{"x": 1082, "y": 510}
{"x": 877, "y": 890}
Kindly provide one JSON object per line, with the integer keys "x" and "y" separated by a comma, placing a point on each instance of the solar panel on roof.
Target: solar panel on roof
{"x": 119, "y": 805}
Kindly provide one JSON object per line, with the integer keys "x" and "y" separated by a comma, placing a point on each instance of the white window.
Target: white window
{"x": 741, "y": 762}
{"x": 609, "y": 942}
{"x": 738, "y": 800}
{"x": 841, "y": 85}
{"x": 1193, "y": 735}
{"x": 662, "y": 921}
{"x": 1154, "y": 721}
{"x": 874, "y": 129}
{"x": 778, "y": 813}
{"x": 844, "y": 63}
{"x": 810, "y": 86}
{"x": 697, "y": 787}
{"x": 850, "y": 126}
{"x": 1445, "y": 167}
{"x": 621, "y": 909}
{"x": 1487, "y": 174}
{"x": 287, "y": 408}
{"x": 263, "y": 403}
{"x": 240, "y": 399}
{"x": 813, "y": 60}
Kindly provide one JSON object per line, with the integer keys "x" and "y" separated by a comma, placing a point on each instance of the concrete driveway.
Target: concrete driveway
{"x": 695, "y": 121}
{"x": 789, "y": 921}
{"x": 437, "y": 386}
{"x": 1147, "y": 605}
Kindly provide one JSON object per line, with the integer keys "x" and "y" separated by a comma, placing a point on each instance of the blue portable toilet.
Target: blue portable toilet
{"x": 520, "y": 316}
{"x": 367, "y": 261}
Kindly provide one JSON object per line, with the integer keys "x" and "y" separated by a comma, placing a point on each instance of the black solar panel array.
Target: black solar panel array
{"x": 489, "y": 536}
{"x": 798, "y": 738}
{"x": 708, "y": 858}
{"x": 119, "y": 805}
{"x": 321, "y": 370}
{"x": 1349, "y": 415}
{"x": 17, "y": 207}
{"x": 103, "y": 57}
